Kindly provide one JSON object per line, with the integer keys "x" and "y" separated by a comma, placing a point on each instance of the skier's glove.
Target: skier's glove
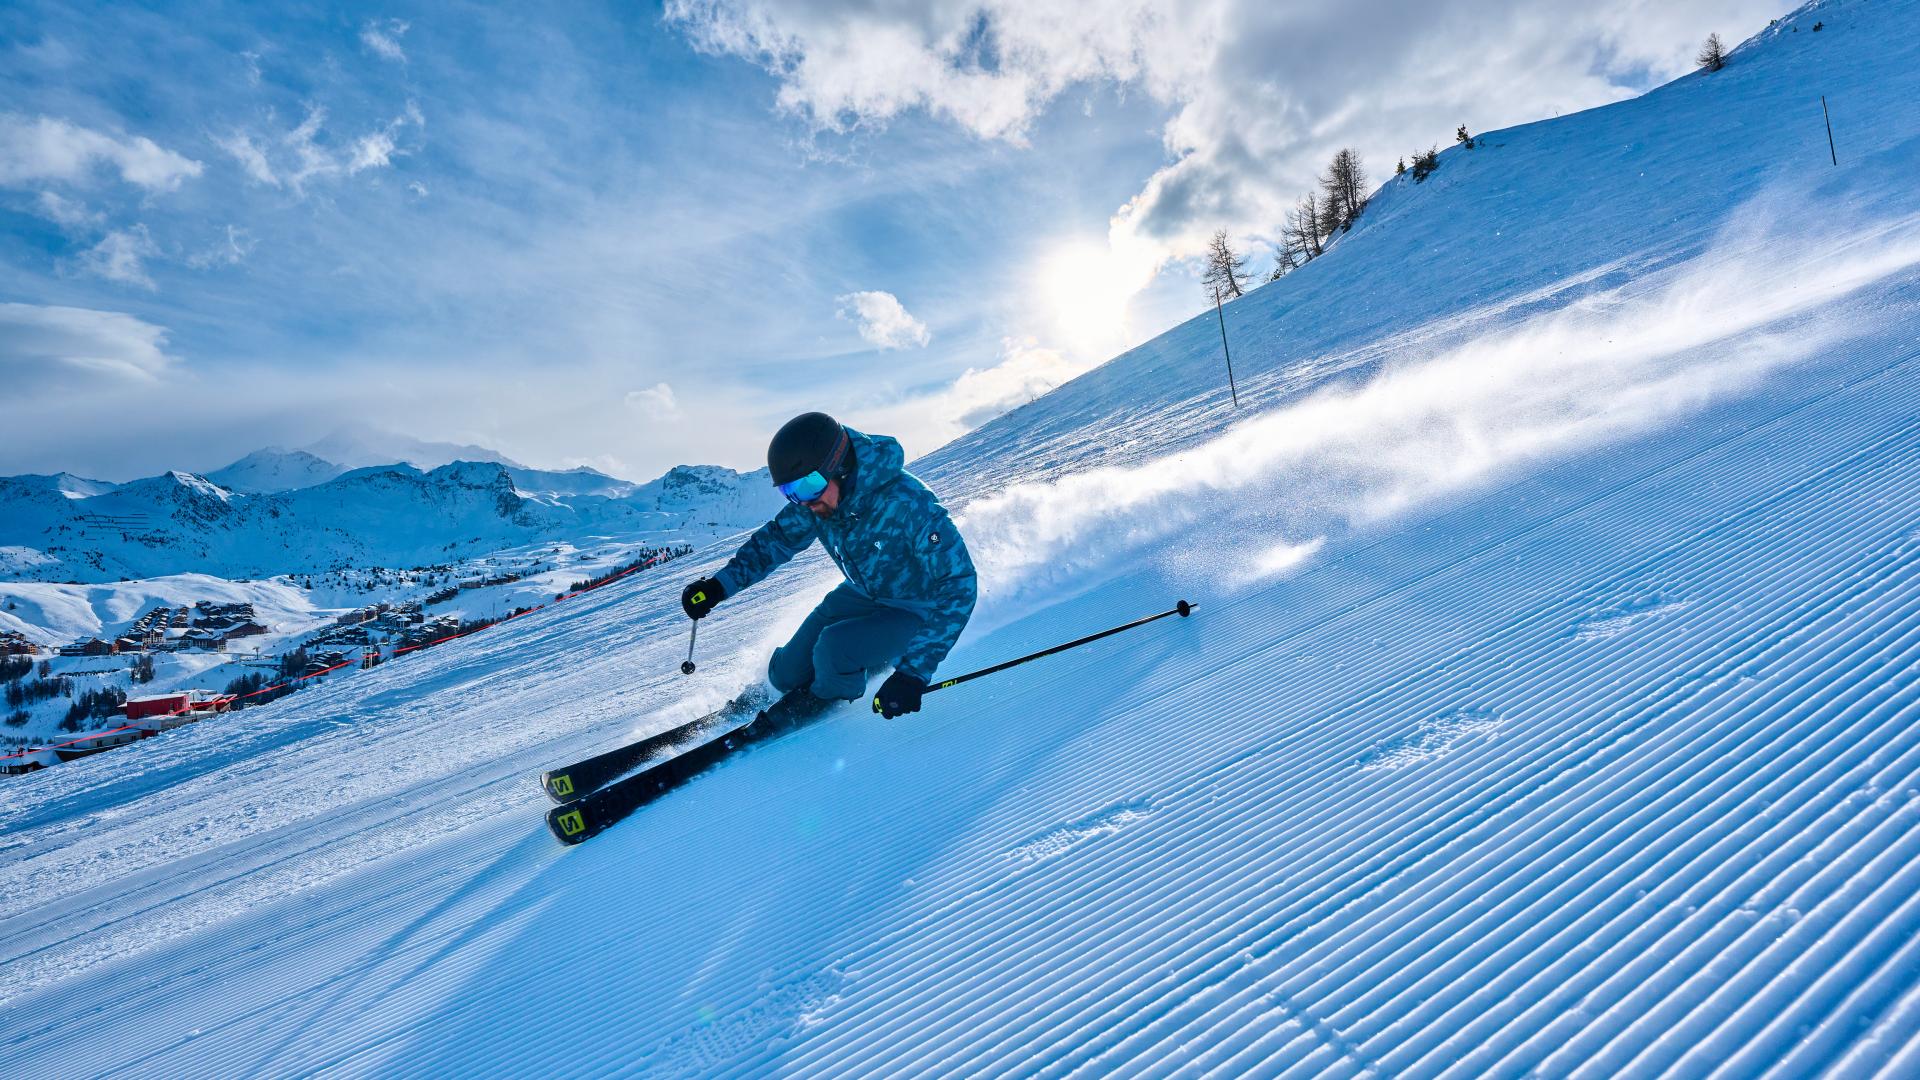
{"x": 899, "y": 695}
{"x": 698, "y": 598}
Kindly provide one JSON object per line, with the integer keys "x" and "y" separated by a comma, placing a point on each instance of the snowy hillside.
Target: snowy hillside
{"x": 1549, "y": 709}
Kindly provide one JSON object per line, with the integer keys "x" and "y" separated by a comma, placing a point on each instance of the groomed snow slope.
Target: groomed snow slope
{"x": 1550, "y": 707}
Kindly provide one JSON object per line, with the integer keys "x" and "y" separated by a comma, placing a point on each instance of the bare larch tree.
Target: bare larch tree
{"x": 1713, "y": 55}
{"x": 1302, "y": 229}
{"x": 1226, "y": 272}
{"x": 1286, "y": 259}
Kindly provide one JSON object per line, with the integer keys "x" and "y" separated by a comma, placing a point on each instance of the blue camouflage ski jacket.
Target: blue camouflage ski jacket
{"x": 890, "y": 537}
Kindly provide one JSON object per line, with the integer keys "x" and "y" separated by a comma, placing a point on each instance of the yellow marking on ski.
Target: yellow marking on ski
{"x": 572, "y": 823}
{"x": 561, "y": 785}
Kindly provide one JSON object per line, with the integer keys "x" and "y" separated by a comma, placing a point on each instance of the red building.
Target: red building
{"x": 164, "y": 712}
{"x": 141, "y": 708}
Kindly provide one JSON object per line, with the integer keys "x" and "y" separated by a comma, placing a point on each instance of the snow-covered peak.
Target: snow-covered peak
{"x": 63, "y": 485}
{"x": 576, "y": 481}
{"x": 200, "y": 485}
{"x": 273, "y": 469}
{"x": 712, "y": 492}
{"x": 487, "y": 474}
{"x": 79, "y": 487}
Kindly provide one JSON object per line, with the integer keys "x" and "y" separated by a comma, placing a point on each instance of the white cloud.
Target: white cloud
{"x": 119, "y": 256}
{"x": 1261, "y": 93}
{"x": 417, "y": 188}
{"x": 69, "y": 213}
{"x": 303, "y": 155}
{"x": 1025, "y": 372}
{"x": 233, "y": 249}
{"x": 240, "y": 146}
{"x": 383, "y": 37}
{"x": 883, "y": 322}
{"x": 44, "y": 148}
{"x": 604, "y": 463}
{"x": 656, "y": 401}
{"x": 371, "y": 152}
{"x": 310, "y": 159}
{"x": 47, "y": 346}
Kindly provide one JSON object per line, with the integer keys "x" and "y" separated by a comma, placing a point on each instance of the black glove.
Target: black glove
{"x": 698, "y": 598}
{"x": 899, "y": 695}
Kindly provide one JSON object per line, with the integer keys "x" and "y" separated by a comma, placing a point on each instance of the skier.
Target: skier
{"x": 909, "y": 587}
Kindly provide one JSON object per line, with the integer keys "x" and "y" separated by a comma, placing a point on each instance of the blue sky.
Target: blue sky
{"x": 613, "y": 235}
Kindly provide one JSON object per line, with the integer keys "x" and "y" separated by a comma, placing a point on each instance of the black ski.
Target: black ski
{"x": 576, "y": 780}
{"x": 586, "y": 817}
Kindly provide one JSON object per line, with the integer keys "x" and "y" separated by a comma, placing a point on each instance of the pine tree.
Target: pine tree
{"x": 1225, "y": 270}
{"x": 1424, "y": 163}
{"x": 1400, "y": 166}
{"x": 1463, "y": 138}
{"x": 1713, "y": 55}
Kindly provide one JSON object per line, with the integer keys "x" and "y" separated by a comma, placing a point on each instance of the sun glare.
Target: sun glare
{"x": 1085, "y": 291}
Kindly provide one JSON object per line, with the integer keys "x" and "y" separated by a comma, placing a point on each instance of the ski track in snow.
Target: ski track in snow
{"x": 1607, "y": 763}
{"x": 1435, "y": 738}
{"x": 1057, "y": 842}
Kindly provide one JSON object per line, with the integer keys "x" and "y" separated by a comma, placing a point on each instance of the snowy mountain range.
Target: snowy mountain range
{"x": 276, "y": 512}
{"x": 1548, "y": 708}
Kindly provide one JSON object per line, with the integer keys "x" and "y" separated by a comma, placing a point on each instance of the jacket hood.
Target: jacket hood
{"x": 877, "y": 460}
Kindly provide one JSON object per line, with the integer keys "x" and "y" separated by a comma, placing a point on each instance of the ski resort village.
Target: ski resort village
{"x": 733, "y": 538}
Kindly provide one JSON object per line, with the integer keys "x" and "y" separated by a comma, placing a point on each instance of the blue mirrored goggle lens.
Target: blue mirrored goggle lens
{"x": 805, "y": 489}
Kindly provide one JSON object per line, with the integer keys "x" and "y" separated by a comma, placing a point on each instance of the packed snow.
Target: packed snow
{"x": 1548, "y": 710}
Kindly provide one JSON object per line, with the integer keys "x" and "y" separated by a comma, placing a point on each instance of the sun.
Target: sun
{"x": 1084, "y": 290}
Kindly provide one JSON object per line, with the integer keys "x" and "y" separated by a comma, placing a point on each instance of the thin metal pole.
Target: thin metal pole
{"x": 686, "y": 666}
{"x": 1182, "y": 609}
{"x": 1835, "y": 154}
{"x": 1223, "y": 346}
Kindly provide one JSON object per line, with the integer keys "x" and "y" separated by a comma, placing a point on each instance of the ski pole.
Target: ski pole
{"x": 686, "y": 666}
{"x": 1182, "y": 609}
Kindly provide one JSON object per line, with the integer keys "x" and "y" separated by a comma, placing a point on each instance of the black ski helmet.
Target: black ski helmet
{"x": 810, "y": 442}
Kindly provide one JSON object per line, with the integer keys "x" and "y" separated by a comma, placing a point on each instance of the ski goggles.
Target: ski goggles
{"x": 805, "y": 489}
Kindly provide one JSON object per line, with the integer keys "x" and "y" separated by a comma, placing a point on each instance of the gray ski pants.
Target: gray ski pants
{"x": 846, "y": 636}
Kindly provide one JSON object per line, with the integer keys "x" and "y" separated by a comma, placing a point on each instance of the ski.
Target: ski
{"x": 570, "y": 782}
{"x": 586, "y": 817}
